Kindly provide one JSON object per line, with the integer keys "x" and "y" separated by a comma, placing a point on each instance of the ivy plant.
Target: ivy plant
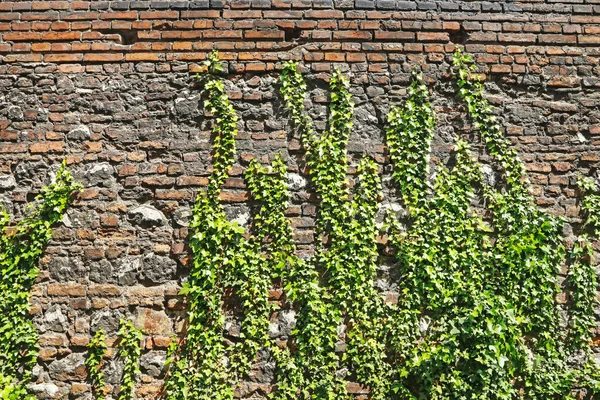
{"x": 21, "y": 245}
{"x": 96, "y": 351}
{"x": 129, "y": 350}
{"x": 477, "y": 316}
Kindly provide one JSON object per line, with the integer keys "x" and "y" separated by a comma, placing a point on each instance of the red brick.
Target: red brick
{"x": 66, "y": 289}
{"x": 517, "y": 37}
{"x": 25, "y": 58}
{"x": 142, "y": 57}
{"x": 226, "y": 34}
{"x": 594, "y": 130}
{"x": 12, "y": 147}
{"x": 356, "y": 57}
{"x": 501, "y": 69}
{"x": 263, "y": 35}
{"x": 104, "y": 290}
{"x": 21, "y": 36}
{"x": 47, "y": 147}
{"x": 192, "y": 181}
{"x": 71, "y": 68}
{"x": 558, "y": 39}
{"x": 9, "y": 16}
{"x": 159, "y": 14}
{"x": 433, "y": 37}
{"x": 103, "y": 57}
{"x": 336, "y": 57}
{"x": 60, "y": 58}
{"x": 588, "y": 39}
{"x": 158, "y": 181}
{"x": 53, "y": 339}
{"x": 451, "y": 26}
{"x": 201, "y": 14}
{"x": 80, "y": 16}
{"x": 384, "y": 35}
{"x": 324, "y": 14}
{"x": 234, "y": 196}
{"x": 119, "y": 15}
{"x": 352, "y": 35}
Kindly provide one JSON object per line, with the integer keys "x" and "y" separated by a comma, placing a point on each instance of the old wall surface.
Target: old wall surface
{"x": 108, "y": 86}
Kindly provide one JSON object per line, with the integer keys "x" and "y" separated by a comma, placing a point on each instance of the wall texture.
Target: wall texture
{"x": 109, "y": 86}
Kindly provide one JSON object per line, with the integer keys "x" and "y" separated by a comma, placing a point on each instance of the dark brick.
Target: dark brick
{"x": 365, "y": 4}
{"x": 406, "y": 5}
{"x": 447, "y": 6}
{"x": 179, "y": 5}
{"x": 386, "y": 4}
{"x": 139, "y": 5}
{"x": 427, "y": 6}
{"x": 159, "y": 5}
{"x": 195, "y": 5}
{"x": 120, "y": 5}
{"x": 99, "y": 5}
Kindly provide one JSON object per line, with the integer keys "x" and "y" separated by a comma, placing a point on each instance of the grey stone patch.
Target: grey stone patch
{"x": 107, "y": 320}
{"x": 51, "y": 173}
{"x": 113, "y": 370}
{"x": 101, "y": 271}
{"x": 242, "y": 219}
{"x": 383, "y": 285}
{"x": 182, "y": 216}
{"x": 6, "y": 203}
{"x": 158, "y": 269}
{"x": 186, "y": 107}
{"x": 153, "y": 363}
{"x": 343, "y": 372}
{"x": 80, "y": 132}
{"x": 579, "y": 138}
{"x": 67, "y": 368}
{"x": 232, "y": 326}
{"x": 390, "y": 207}
{"x": 489, "y": 175}
{"x": 65, "y": 85}
{"x": 274, "y": 330}
{"x": 296, "y": 181}
{"x": 287, "y": 322}
{"x": 147, "y": 216}
{"x": 99, "y": 174}
{"x": 14, "y": 113}
{"x": 30, "y": 172}
{"x": 127, "y": 269}
{"x": 44, "y": 390}
{"x": 264, "y": 371}
{"x": 82, "y": 219}
{"x": 239, "y": 213}
{"x": 63, "y": 269}
{"x": 66, "y": 221}
{"x": 7, "y": 182}
{"x": 55, "y": 320}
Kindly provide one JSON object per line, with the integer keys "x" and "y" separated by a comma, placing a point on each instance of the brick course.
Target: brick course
{"x": 108, "y": 85}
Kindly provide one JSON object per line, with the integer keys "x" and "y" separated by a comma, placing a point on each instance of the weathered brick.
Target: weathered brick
{"x": 47, "y": 147}
{"x": 66, "y": 289}
{"x": 557, "y": 39}
{"x": 60, "y": 58}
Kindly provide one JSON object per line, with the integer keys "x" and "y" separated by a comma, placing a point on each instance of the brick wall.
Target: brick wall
{"x": 108, "y": 86}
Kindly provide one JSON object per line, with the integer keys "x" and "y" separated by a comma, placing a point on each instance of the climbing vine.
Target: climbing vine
{"x": 129, "y": 350}
{"x": 477, "y": 315}
{"x": 93, "y": 363}
{"x": 21, "y": 246}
